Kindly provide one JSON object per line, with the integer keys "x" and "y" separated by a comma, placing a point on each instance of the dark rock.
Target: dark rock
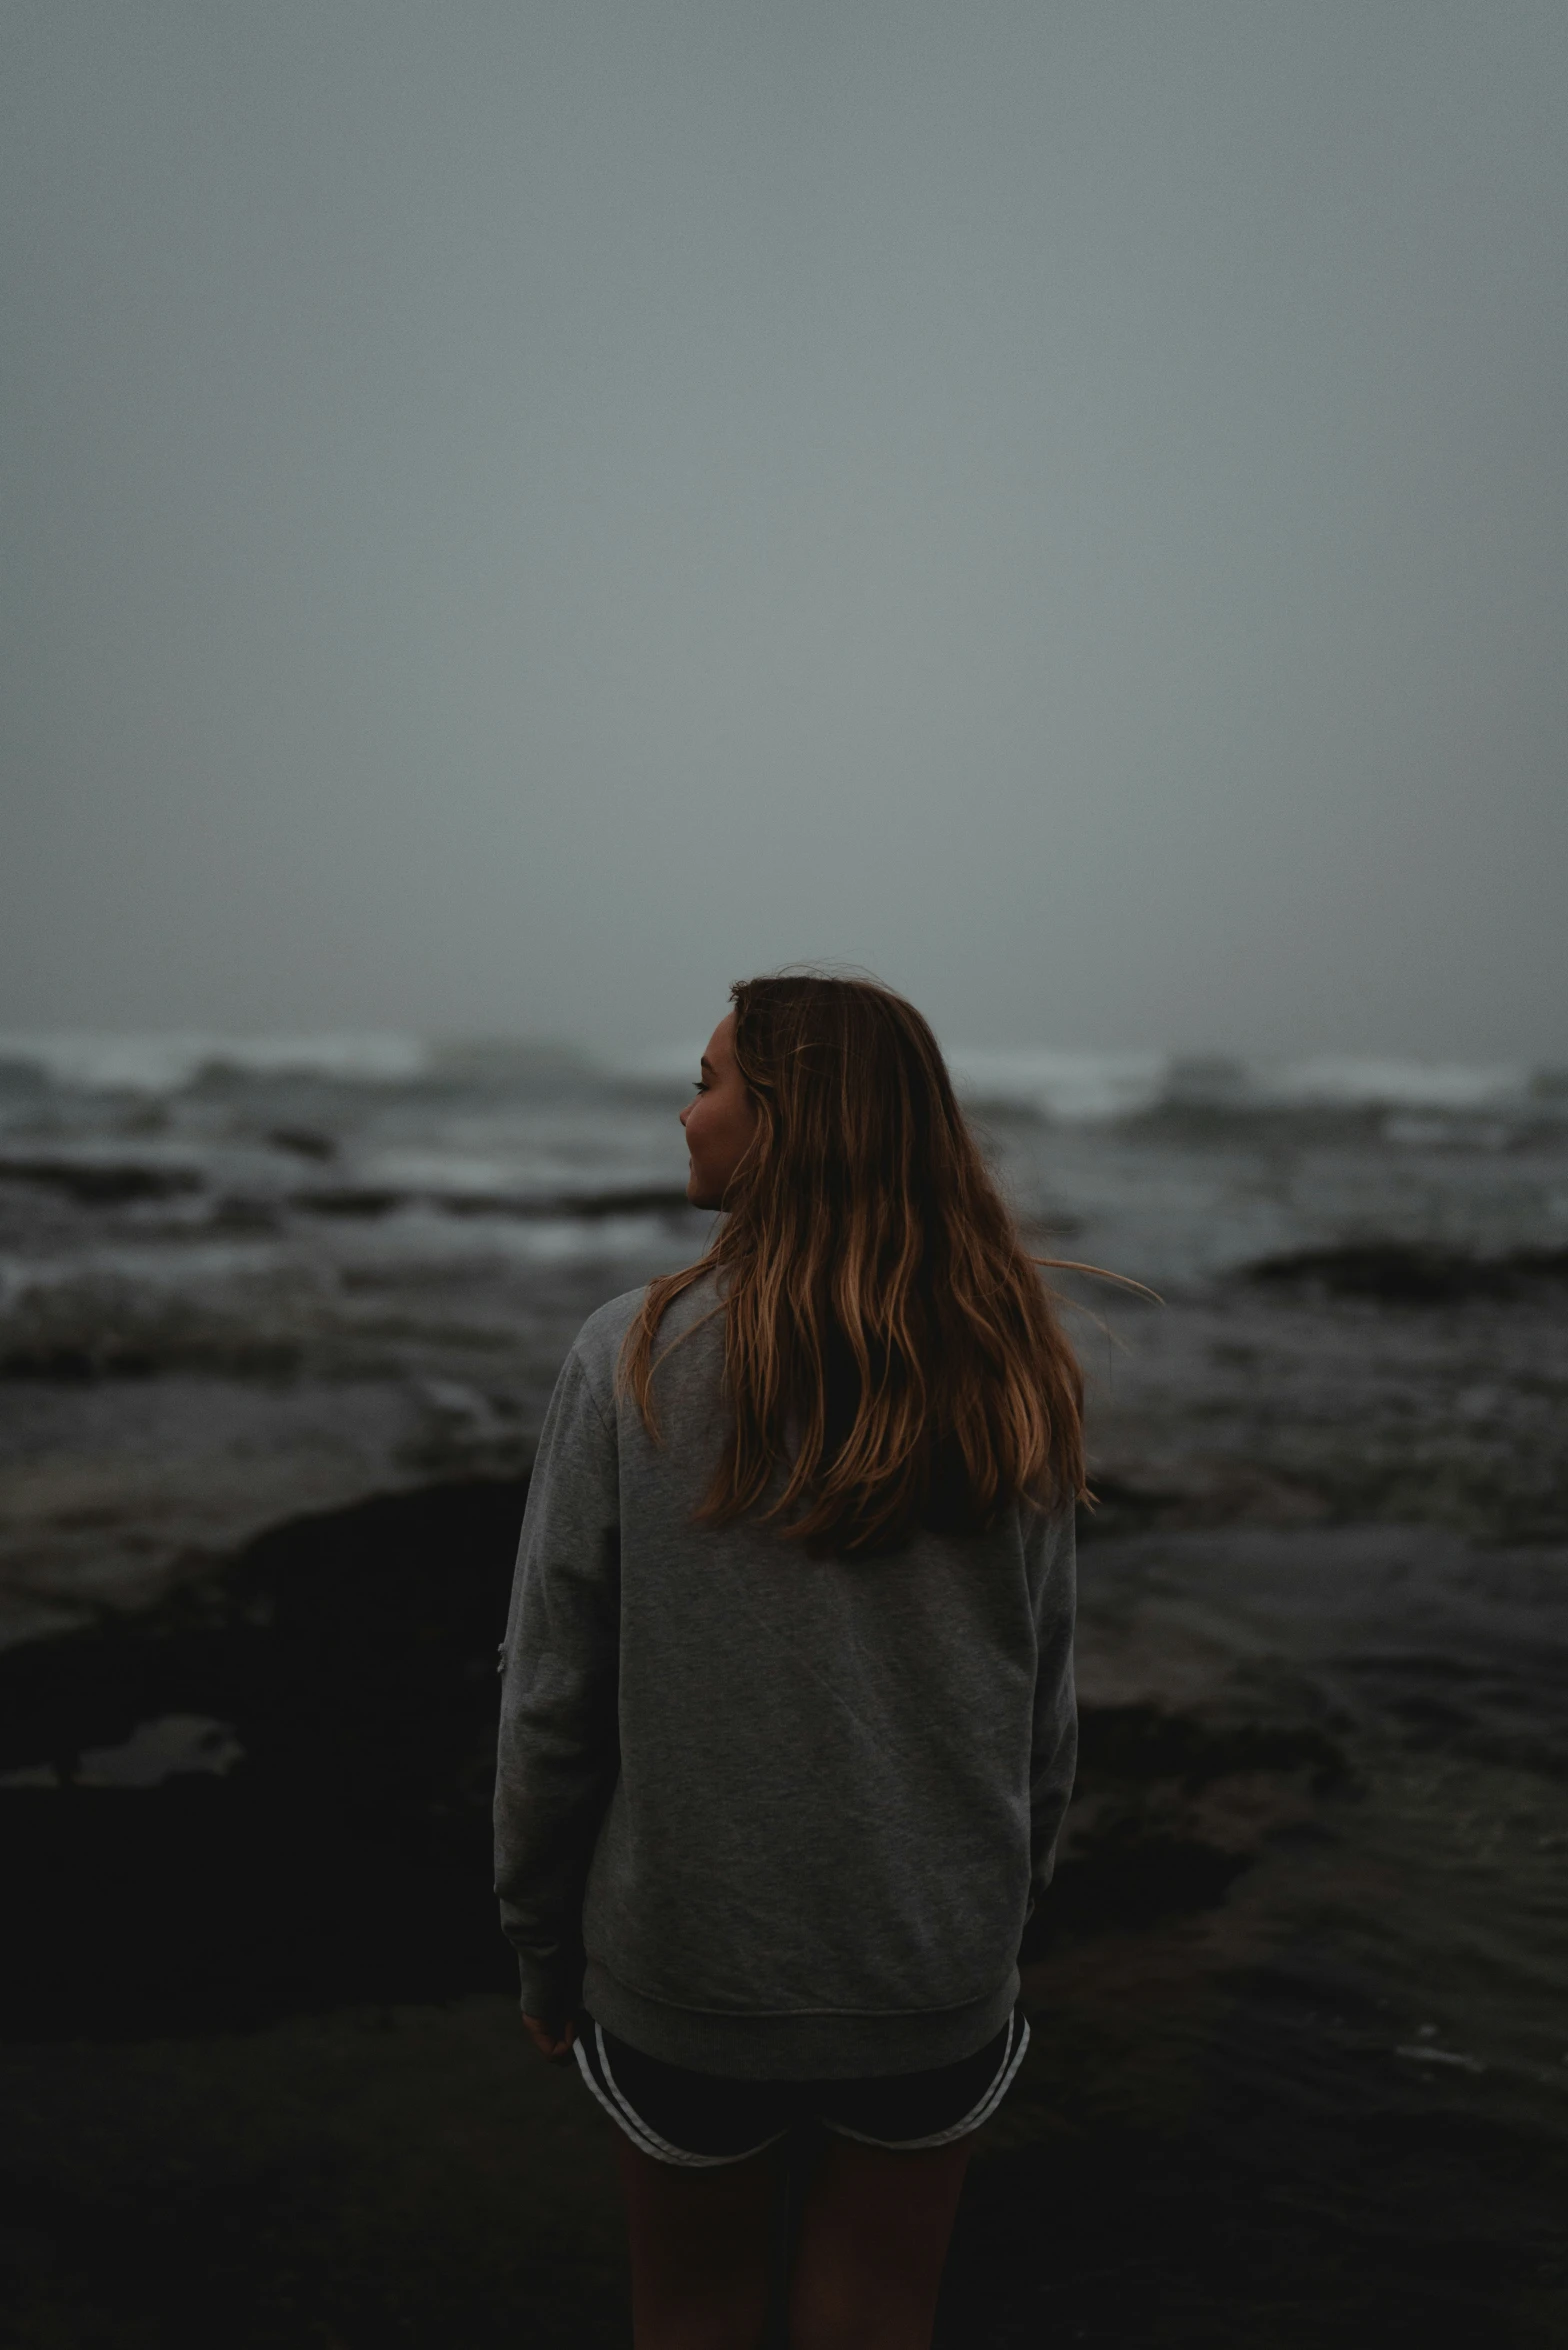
{"x": 1395, "y": 1273}
{"x": 99, "y": 1183}
{"x": 303, "y": 1142}
{"x": 346, "y": 1857}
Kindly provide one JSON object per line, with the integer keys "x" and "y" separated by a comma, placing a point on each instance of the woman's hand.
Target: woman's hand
{"x": 551, "y": 2040}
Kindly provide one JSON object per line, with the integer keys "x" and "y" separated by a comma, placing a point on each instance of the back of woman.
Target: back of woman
{"x": 788, "y": 1726}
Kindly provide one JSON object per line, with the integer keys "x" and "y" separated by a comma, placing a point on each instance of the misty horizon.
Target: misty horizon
{"x": 519, "y": 520}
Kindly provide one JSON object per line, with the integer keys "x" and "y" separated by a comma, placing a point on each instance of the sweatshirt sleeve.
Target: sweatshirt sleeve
{"x": 557, "y": 1753}
{"x": 1054, "y": 1757}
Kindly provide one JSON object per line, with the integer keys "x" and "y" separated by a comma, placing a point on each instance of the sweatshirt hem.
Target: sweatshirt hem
{"x": 796, "y": 2045}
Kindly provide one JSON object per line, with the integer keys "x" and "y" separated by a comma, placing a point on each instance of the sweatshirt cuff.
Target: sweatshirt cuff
{"x": 549, "y": 1988}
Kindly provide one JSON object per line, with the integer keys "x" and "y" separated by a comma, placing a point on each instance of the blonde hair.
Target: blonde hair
{"x": 888, "y": 1339}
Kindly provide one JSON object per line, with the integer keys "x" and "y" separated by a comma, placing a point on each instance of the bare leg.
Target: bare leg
{"x": 700, "y": 2245}
{"x": 873, "y": 2239}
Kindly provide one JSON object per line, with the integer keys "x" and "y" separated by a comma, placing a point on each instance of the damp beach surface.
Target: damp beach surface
{"x": 276, "y": 1334}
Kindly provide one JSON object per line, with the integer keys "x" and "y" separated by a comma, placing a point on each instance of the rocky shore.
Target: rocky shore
{"x": 273, "y": 1354}
{"x": 265, "y": 2081}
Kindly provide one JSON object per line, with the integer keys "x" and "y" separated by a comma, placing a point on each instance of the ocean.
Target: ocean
{"x": 278, "y": 1322}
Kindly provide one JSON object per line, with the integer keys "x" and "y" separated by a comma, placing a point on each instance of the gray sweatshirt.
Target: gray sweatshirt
{"x": 767, "y": 1815}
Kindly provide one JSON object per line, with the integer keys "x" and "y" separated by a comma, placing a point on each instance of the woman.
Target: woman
{"x": 788, "y": 1726}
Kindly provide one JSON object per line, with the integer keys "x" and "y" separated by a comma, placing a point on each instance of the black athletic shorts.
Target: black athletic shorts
{"x": 697, "y": 2118}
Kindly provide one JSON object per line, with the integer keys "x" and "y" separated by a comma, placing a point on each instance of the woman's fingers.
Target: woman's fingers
{"x": 552, "y": 2040}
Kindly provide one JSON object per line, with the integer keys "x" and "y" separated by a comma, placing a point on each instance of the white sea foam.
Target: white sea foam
{"x": 1085, "y": 1087}
{"x": 1073, "y": 1086}
{"x": 1341, "y": 1080}
{"x": 154, "y": 1268}
{"x": 165, "y": 1063}
{"x": 445, "y": 1174}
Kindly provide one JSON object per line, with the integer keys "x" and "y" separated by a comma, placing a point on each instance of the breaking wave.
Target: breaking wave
{"x": 1081, "y": 1087}
{"x": 1070, "y": 1086}
{"x": 166, "y": 1064}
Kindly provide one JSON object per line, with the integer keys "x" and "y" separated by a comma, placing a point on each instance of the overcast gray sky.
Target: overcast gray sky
{"x": 517, "y": 516}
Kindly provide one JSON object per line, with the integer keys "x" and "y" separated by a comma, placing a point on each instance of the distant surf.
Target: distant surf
{"x": 1084, "y": 1087}
{"x": 1068, "y": 1085}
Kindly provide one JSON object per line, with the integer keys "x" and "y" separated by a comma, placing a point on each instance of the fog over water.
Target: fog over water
{"x": 520, "y": 515}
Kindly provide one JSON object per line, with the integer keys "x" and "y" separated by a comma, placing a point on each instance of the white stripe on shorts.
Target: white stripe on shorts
{"x": 1012, "y": 2058}
{"x": 647, "y": 2140}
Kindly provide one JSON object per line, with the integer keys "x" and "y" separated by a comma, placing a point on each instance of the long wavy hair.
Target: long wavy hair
{"x": 889, "y": 1343}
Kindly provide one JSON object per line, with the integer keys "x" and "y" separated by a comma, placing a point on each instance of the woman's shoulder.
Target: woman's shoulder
{"x": 599, "y": 1342}
{"x": 606, "y": 1327}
